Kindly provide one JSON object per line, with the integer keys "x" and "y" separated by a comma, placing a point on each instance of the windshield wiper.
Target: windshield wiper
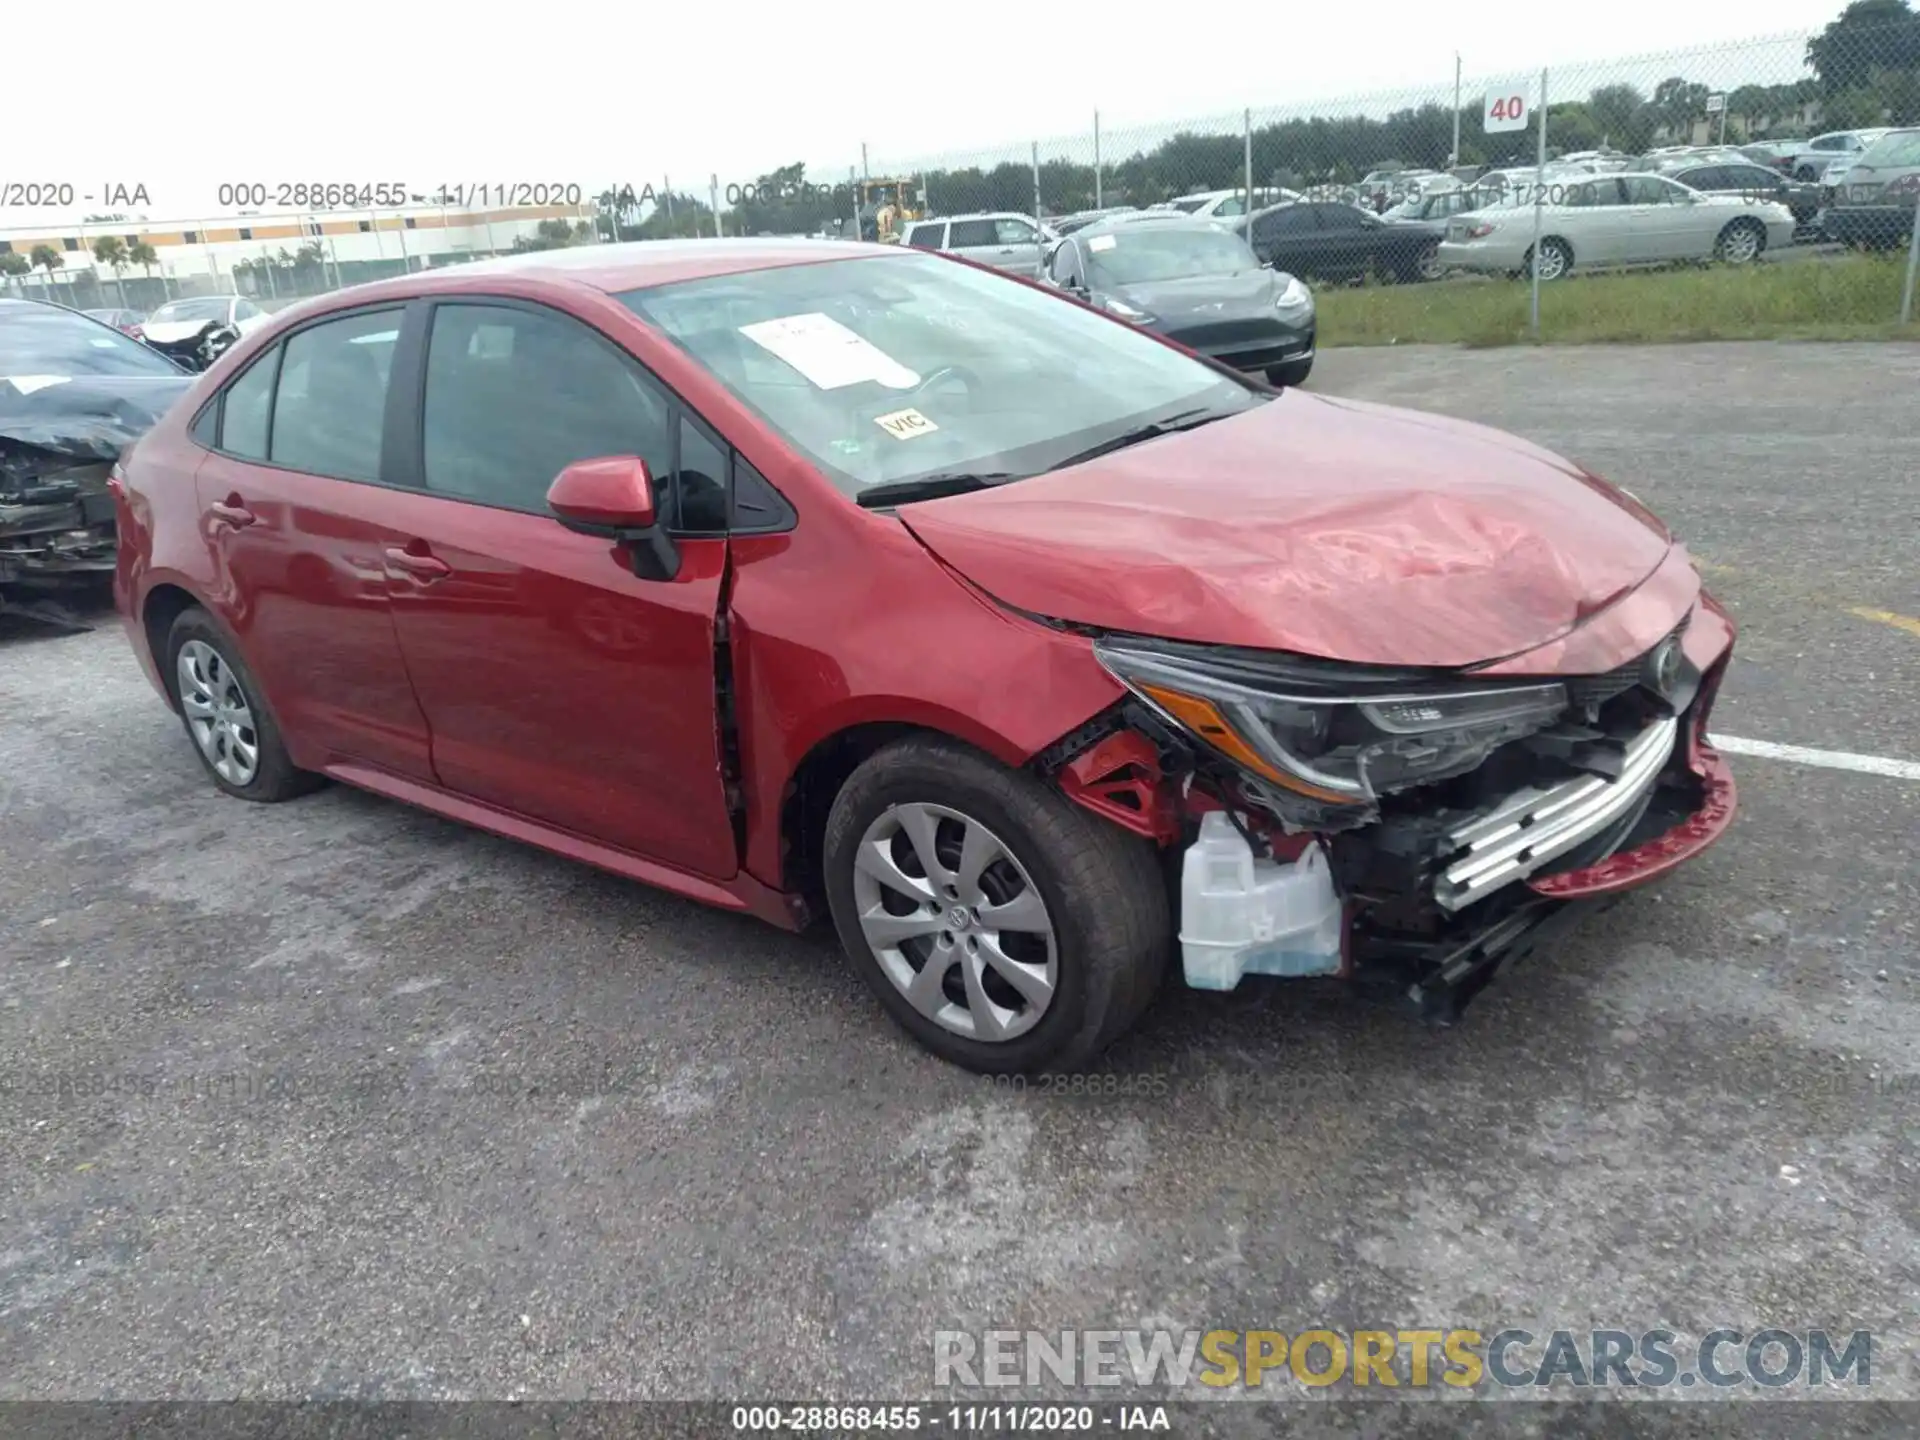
{"x": 1181, "y": 420}
{"x": 931, "y": 487}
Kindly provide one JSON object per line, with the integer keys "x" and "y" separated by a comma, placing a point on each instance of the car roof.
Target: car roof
{"x": 969, "y": 215}
{"x": 631, "y": 265}
{"x": 1160, "y": 220}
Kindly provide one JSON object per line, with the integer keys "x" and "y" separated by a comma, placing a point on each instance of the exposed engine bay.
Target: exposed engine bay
{"x": 58, "y": 441}
{"x": 1407, "y": 830}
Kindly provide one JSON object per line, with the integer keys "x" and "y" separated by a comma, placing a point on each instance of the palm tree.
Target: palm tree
{"x": 46, "y": 258}
{"x": 111, "y": 251}
{"x": 13, "y": 265}
{"x": 142, "y": 254}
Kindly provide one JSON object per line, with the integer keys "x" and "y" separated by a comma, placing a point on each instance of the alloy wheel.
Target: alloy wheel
{"x": 217, "y": 712}
{"x": 956, "y": 922}
{"x": 1551, "y": 262}
{"x": 1740, "y": 245}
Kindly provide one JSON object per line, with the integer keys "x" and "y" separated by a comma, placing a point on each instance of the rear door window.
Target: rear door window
{"x": 330, "y": 406}
{"x": 971, "y": 234}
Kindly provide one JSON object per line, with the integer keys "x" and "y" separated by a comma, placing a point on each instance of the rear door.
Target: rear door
{"x": 559, "y": 685}
{"x": 294, "y": 503}
{"x": 1288, "y": 238}
{"x": 977, "y": 240}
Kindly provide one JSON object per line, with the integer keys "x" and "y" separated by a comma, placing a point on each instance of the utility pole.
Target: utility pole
{"x": 1096, "y": 160}
{"x": 1539, "y": 202}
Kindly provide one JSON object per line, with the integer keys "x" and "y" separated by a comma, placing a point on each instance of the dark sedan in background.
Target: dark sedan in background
{"x": 1198, "y": 284}
{"x": 1754, "y": 182}
{"x": 1342, "y": 242}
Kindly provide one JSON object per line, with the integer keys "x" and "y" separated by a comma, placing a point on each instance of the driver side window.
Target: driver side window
{"x": 514, "y": 396}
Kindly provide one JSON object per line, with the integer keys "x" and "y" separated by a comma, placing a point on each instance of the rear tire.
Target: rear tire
{"x": 226, "y": 716}
{"x": 1556, "y": 259}
{"x": 961, "y": 960}
{"x": 1285, "y": 377}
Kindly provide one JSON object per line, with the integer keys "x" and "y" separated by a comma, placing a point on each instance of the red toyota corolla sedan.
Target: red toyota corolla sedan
{"x": 1040, "y": 654}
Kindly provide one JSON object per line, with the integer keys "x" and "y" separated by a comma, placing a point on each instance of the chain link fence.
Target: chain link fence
{"x": 1445, "y": 195}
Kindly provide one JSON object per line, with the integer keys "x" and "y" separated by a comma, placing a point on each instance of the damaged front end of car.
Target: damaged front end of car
{"x": 58, "y": 445}
{"x": 194, "y": 346}
{"x": 1411, "y": 831}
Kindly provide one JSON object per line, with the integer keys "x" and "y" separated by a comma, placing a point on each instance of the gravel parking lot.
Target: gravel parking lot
{"x": 357, "y": 1103}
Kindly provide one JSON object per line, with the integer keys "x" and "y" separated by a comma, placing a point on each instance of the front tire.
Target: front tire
{"x": 1285, "y": 377}
{"x": 1004, "y": 927}
{"x": 226, "y": 715}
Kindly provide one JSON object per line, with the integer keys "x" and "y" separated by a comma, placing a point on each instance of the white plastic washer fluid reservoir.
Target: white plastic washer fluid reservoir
{"x": 1240, "y": 915}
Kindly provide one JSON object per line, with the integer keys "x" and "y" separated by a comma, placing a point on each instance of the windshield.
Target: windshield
{"x": 1900, "y": 148}
{"x": 1145, "y": 254}
{"x": 37, "y": 340}
{"x": 892, "y": 368}
{"x": 206, "y": 309}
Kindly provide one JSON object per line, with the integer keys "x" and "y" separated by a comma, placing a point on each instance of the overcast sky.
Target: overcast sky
{"x": 567, "y": 90}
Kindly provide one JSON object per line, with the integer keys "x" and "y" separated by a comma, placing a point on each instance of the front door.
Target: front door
{"x": 295, "y": 514}
{"x": 556, "y": 683}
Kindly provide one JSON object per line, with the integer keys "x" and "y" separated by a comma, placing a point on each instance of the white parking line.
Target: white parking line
{"x": 1826, "y": 759}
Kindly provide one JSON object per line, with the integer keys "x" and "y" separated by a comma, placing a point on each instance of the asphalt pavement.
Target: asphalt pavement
{"x": 337, "y": 1100}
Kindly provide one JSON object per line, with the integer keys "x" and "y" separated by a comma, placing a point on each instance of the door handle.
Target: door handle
{"x": 232, "y": 511}
{"x": 420, "y": 566}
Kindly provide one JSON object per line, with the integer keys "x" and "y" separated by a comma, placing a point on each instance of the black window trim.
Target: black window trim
{"x": 403, "y": 427}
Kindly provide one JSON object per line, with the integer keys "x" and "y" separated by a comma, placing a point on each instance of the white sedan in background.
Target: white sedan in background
{"x": 1614, "y": 220}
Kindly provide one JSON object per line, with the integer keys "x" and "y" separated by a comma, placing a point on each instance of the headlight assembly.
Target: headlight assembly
{"x": 1130, "y": 313}
{"x": 1334, "y": 743}
{"x": 1293, "y": 295}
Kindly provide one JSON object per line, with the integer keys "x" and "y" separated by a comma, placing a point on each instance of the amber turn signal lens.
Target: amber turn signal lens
{"x": 1204, "y": 719}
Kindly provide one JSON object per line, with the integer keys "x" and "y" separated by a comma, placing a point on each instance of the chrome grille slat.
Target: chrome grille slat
{"x": 1501, "y": 849}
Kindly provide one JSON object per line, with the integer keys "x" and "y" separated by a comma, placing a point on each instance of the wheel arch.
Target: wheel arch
{"x": 159, "y": 608}
{"x": 810, "y": 788}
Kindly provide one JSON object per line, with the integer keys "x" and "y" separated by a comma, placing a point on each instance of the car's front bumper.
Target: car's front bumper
{"x": 1255, "y": 346}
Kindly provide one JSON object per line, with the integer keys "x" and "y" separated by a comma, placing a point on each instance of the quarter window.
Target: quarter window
{"x": 514, "y": 396}
{"x": 331, "y": 404}
{"x": 927, "y": 237}
{"x": 249, "y": 400}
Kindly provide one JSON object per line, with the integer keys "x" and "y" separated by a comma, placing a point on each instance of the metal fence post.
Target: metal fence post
{"x": 713, "y": 194}
{"x": 1036, "y": 182}
{"x": 1096, "y": 160}
{"x": 853, "y": 193}
{"x": 1539, "y": 203}
{"x": 1246, "y": 157}
{"x": 666, "y": 194}
{"x": 1913, "y": 263}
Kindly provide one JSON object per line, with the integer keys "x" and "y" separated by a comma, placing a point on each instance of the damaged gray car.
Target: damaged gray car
{"x": 73, "y": 393}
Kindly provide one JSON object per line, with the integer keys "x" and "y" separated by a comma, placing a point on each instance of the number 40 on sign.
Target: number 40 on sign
{"x": 1508, "y": 108}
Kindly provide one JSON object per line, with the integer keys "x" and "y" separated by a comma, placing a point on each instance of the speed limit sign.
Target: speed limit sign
{"x": 1509, "y": 107}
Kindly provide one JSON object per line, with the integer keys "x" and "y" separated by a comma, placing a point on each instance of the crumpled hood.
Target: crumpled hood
{"x": 50, "y": 423}
{"x": 1313, "y": 525}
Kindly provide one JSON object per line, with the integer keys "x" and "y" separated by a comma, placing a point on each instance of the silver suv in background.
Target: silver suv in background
{"x": 1001, "y": 238}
